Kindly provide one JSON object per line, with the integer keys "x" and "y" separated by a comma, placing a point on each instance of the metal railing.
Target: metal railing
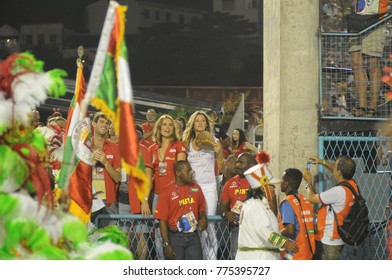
{"x": 141, "y": 233}
{"x": 338, "y": 88}
{"x": 373, "y": 175}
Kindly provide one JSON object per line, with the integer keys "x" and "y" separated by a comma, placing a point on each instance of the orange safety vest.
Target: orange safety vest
{"x": 322, "y": 213}
{"x": 305, "y": 237}
{"x": 375, "y": 7}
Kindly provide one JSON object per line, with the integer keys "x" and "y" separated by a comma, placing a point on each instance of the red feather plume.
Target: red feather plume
{"x": 262, "y": 157}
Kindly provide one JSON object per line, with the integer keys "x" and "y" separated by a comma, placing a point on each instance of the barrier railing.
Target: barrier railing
{"x": 141, "y": 233}
{"x": 373, "y": 175}
{"x": 338, "y": 88}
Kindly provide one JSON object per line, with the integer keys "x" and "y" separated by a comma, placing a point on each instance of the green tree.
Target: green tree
{"x": 214, "y": 50}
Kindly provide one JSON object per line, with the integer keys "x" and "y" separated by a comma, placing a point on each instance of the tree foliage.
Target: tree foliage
{"x": 218, "y": 49}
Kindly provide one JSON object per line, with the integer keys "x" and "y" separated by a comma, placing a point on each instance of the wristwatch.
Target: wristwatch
{"x": 165, "y": 244}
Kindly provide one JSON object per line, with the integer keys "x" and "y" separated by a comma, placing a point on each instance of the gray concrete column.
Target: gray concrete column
{"x": 291, "y": 82}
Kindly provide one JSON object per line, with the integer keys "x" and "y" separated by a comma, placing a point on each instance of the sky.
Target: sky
{"x": 69, "y": 12}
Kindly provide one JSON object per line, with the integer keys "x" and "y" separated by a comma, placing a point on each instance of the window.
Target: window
{"x": 146, "y": 13}
{"x": 228, "y": 5}
{"x": 157, "y": 15}
{"x": 181, "y": 19}
{"x": 41, "y": 39}
{"x": 29, "y": 40}
{"x": 52, "y": 38}
{"x": 250, "y": 4}
{"x": 168, "y": 17}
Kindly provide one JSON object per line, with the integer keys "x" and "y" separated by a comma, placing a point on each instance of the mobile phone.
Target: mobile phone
{"x": 308, "y": 165}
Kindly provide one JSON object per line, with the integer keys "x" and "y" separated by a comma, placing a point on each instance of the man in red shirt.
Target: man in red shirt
{"x": 148, "y": 128}
{"x": 232, "y": 197}
{"x": 107, "y": 166}
{"x": 181, "y": 209}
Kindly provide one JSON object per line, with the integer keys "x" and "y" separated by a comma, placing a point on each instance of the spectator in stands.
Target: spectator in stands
{"x": 220, "y": 132}
{"x": 179, "y": 127}
{"x": 230, "y": 170}
{"x": 203, "y": 163}
{"x": 165, "y": 152}
{"x": 366, "y": 52}
{"x": 240, "y": 144}
{"x": 148, "y": 128}
{"x": 182, "y": 120}
{"x": 255, "y": 118}
{"x": 232, "y": 197}
{"x": 180, "y": 211}
{"x": 128, "y": 201}
{"x": 107, "y": 164}
{"x": 112, "y": 133}
{"x": 54, "y": 135}
{"x": 296, "y": 216}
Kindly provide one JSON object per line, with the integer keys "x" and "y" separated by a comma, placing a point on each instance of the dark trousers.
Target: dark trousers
{"x": 186, "y": 245}
{"x": 327, "y": 252}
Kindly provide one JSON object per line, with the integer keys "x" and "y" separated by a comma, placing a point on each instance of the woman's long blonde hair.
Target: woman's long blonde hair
{"x": 157, "y": 136}
{"x": 189, "y": 133}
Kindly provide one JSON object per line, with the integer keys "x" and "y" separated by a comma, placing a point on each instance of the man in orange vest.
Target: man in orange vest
{"x": 329, "y": 245}
{"x": 296, "y": 216}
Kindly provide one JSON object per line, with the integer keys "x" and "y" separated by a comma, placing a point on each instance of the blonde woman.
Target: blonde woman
{"x": 206, "y": 164}
{"x": 165, "y": 152}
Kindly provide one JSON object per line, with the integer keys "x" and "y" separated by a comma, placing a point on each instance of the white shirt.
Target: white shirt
{"x": 335, "y": 196}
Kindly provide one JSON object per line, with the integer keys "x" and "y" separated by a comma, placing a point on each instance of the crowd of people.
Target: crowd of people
{"x": 197, "y": 175}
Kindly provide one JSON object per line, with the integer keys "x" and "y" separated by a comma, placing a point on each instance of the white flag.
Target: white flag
{"x": 238, "y": 120}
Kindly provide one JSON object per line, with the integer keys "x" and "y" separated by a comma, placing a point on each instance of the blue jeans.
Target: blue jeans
{"x": 186, "y": 245}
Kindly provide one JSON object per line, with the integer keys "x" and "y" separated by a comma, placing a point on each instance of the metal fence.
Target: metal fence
{"x": 373, "y": 174}
{"x": 338, "y": 88}
{"x": 141, "y": 234}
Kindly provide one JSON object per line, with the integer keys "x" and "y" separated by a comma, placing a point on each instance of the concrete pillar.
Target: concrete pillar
{"x": 291, "y": 82}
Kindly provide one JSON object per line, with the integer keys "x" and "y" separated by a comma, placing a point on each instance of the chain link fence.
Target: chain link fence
{"x": 141, "y": 234}
{"x": 340, "y": 82}
{"x": 373, "y": 157}
{"x": 373, "y": 174}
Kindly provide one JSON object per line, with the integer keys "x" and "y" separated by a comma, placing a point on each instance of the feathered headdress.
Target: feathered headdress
{"x": 23, "y": 86}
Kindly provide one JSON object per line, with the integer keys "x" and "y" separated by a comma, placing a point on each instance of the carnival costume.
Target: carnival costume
{"x": 31, "y": 227}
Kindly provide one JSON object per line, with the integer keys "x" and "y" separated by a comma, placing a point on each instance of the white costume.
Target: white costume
{"x": 257, "y": 222}
{"x": 203, "y": 164}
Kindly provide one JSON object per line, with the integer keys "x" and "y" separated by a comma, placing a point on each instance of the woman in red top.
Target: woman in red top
{"x": 239, "y": 143}
{"x": 165, "y": 152}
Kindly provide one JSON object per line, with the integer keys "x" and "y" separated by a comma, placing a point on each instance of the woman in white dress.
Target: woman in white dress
{"x": 206, "y": 163}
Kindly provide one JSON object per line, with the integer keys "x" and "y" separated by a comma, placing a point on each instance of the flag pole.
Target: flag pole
{"x": 99, "y": 61}
{"x": 74, "y": 152}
